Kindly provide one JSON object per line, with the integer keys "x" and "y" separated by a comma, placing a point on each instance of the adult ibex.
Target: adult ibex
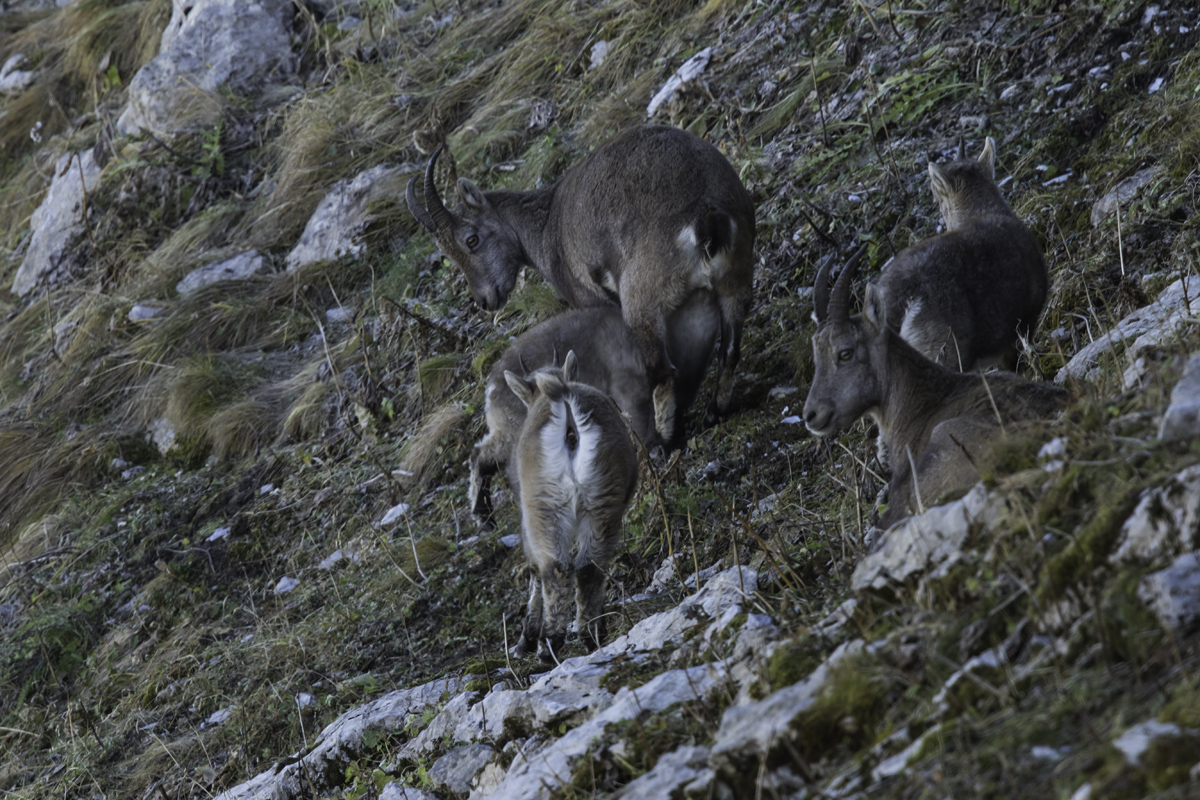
{"x": 607, "y": 359}
{"x": 655, "y": 220}
{"x": 934, "y": 422}
{"x": 965, "y": 298}
{"x": 577, "y": 471}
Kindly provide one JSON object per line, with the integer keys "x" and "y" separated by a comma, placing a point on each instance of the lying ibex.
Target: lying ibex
{"x": 964, "y": 298}
{"x": 934, "y": 422}
{"x": 577, "y": 471}
{"x": 655, "y": 220}
{"x": 607, "y": 360}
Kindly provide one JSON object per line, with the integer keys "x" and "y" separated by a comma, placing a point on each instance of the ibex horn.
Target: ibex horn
{"x": 839, "y": 302}
{"x": 437, "y": 211}
{"x": 962, "y": 148}
{"x": 821, "y": 288}
{"x": 418, "y": 210}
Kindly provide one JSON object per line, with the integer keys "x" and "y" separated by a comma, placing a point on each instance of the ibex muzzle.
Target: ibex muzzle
{"x": 577, "y": 472}
{"x": 655, "y": 220}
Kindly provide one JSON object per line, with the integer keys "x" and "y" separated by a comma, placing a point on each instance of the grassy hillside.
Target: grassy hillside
{"x": 126, "y": 621}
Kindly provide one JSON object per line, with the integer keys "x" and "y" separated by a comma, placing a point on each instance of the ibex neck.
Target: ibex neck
{"x": 913, "y": 388}
{"x": 982, "y": 202}
{"x": 527, "y": 214}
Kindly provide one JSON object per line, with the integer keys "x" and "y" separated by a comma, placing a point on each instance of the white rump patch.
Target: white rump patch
{"x": 908, "y": 328}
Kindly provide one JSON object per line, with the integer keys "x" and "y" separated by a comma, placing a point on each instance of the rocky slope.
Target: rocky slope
{"x": 239, "y": 388}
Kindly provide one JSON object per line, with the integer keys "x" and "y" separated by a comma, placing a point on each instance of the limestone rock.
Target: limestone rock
{"x": 335, "y": 228}
{"x": 57, "y": 224}
{"x": 692, "y": 69}
{"x": 1135, "y": 741}
{"x": 162, "y": 434}
{"x": 14, "y": 81}
{"x": 209, "y": 46}
{"x": 342, "y": 740}
{"x": 1122, "y": 193}
{"x": 1173, "y": 594}
{"x": 240, "y": 267}
{"x": 1165, "y": 521}
{"x": 146, "y": 311}
{"x": 926, "y": 544}
{"x": 454, "y": 772}
{"x": 685, "y": 767}
{"x": 753, "y": 731}
{"x": 1182, "y": 418}
{"x": 396, "y": 791}
{"x": 1147, "y": 327}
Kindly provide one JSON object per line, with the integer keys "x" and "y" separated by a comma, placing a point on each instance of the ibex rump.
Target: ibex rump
{"x": 655, "y": 220}
{"x": 607, "y": 359}
{"x": 964, "y": 298}
{"x": 934, "y": 422}
{"x": 577, "y": 471}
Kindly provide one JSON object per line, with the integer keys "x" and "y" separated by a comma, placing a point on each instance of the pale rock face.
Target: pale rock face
{"x": 14, "y": 81}
{"x": 57, "y": 224}
{"x": 240, "y": 267}
{"x": 1147, "y": 327}
{"x": 1182, "y": 418}
{"x": 335, "y": 228}
{"x": 209, "y": 46}
{"x": 1173, "y": 594}
{"x": 1165, "y": 521}
{"x": 455, "y": 772}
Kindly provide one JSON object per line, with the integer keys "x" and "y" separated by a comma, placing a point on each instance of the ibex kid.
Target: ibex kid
{"x": 655, "y": 220}
{"x": 577, "y": 470}
{"x": 964, "y": 298}
{"x": 934, "y": 422}
{"x": 608, "y": 359}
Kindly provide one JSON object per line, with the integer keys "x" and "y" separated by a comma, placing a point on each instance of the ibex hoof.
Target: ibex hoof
{"x": 550, "y": 649}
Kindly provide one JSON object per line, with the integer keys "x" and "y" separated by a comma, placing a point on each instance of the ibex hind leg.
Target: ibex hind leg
{"x": 729, "y": 354}
{"x": 531, "y": 629}
{"x": 589, "y": 605}
{"x": 479, "y": 490}
{"x": 557, "y": 602}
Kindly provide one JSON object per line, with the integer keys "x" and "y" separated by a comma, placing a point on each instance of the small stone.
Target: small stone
{"x": 14, "y": 81}
{"x": 1173, "y": 594}
{"x": 286, "y": 584}
{"x": 162, "y": 434}
{"x": 1182, "y": 418}
{"x": 146, "y": 311}
{"x": 690, "y": 71}
{"x": 240, "y": 267}
{"x": 1121, "y": 194}
{"x": 219, "y": 533}
{"x": 599, "y": 53}
{"x": 132, "y": 472}
{"x": 1165, "y": 521}
{"x": 336, "y": 226}
{"x": 511, "y": 540}
{"x": 218, "y": 717}
{"x": 398, "y": 791}
{"x": 304, "y": 699}
{"x": 266, "y": 488}
{"x": 394, "y": 514}
{"x": 1134, "y": 742}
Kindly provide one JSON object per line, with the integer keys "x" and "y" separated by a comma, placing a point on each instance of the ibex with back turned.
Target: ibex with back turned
{"x": 577, "y": 470}
{"x": 607, "y": 359}
{"x": 966, "y": 297}
{"x": 655, "y": 220}
{"x": 934, "y": 422}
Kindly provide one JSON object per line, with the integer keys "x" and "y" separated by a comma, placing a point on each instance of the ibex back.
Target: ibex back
{"x": 966, "y": 297}
{"x": 577, "y": 471}
{"x": 655, "y": 220}
{"x": 607, "y": 360}
{"x": 934, "y": 423}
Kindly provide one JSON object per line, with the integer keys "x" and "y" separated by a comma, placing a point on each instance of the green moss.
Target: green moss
{"x": 848, "y": 711}
{"x": 793, "y": 661}
{"x": 1090, "y": 547}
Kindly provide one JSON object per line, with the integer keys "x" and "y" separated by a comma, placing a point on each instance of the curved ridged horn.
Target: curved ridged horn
{"x": 418, "y": 210}
{"x": 437, "y": 211}
{"x": 962, "y": 149}
{"x": 821, "y": 288}
{"x": 839, "y": 302}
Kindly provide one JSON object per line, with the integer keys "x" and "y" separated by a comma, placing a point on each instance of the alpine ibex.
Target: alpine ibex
{"x": 655, "y": 220}
{"x": 607, "y": 360}
{"x": 577, "y": 471}
{"x": 933, "y": 422}
{"x": 964, "y": 298}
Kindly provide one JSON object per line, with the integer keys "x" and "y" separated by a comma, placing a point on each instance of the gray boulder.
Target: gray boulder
{"x": 57, "y": 224}
{"x": 1173, "y": 594}
{"x": 14, "y": 81}
{"x": 455, "y": 772}
{"x": 1146, "y": 329}
{"x": 1182, "y": 418}
{"x": 1121, "y": 194}
{"x": 335, "y": 229}
{"x": 240, "y": 267}
{"x": 209, "y": 46}
{"x": 1165, "y": 521}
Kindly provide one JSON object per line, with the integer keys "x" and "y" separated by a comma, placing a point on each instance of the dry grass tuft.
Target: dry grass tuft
{"x": 425, "y": 448}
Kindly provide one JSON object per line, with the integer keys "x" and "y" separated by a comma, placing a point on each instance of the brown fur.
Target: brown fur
{"x": 655, "y": 220}
{"x": 934, "y": 423}
{"x": 966, "y": 297}
{"x": 608, "y": 360}
{"x": 576, "y": 470}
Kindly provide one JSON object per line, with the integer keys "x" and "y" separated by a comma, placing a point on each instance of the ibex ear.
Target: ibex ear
{"x": 988, "y": 156}
{"x": 550, "y": 384}
{"x": 570, "y": 367}
{"x": 522, "y": 388}
{"x": 938, "y": 180}
{"x": 471, "y": 195}
{"x": 874, "y": 310}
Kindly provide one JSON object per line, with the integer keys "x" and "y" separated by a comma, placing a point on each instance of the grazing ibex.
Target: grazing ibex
{"x": 607, "y": 360}
{"x": 577, "y": 471}
{"x": 934, "y": 422}
{"x": 655, "y": 220}
{"x": 964, "y": 298}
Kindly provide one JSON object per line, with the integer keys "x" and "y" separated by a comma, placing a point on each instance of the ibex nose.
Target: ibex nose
{"x": 487, "y": 299}
{"x": 816, "y": 419}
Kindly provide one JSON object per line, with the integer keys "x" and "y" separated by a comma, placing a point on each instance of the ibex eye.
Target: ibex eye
{"x": 472, "y": 241}
{"x": 846, "y": 354}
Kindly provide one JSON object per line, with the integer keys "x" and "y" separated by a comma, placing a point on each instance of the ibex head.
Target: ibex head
{"x": 965, "y": 184}
{"x": 847, "y": 379}
{"x": 551, "y": 382}
{"x": 473, "y": 236}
